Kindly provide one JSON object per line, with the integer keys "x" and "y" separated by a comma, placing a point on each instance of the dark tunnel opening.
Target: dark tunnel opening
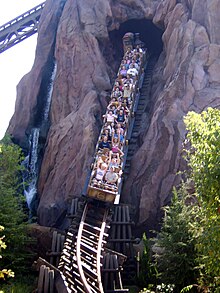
{"x": 113, "y": 49}
{"x": 149, "y": 34}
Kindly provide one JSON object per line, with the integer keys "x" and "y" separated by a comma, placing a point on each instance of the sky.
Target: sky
{"x": 14, "y": 62}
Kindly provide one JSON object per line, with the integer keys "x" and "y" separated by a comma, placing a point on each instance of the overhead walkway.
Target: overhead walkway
{"x": 20, "y": 28}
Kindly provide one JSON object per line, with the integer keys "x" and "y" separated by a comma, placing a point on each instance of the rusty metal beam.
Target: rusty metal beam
{"x": 20, "y": 28}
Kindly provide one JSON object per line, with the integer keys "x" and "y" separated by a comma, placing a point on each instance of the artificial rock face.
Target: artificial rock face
{"x": 77, "y": 36}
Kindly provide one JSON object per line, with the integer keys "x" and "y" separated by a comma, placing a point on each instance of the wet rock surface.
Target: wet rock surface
{"x": 186, "y": 77}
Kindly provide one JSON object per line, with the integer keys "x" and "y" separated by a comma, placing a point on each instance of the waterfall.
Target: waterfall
{"x": 31, "y": 164}
{"x": 49, "y": 95}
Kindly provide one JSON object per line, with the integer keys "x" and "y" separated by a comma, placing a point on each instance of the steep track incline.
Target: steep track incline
{"x": 82, "y": 254}
{"x": 140, "y": 108}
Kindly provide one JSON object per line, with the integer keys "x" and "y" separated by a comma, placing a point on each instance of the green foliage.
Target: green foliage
{"x": 162, "y": 288}
{"x": 187, "y": 247}
{"x": 12, "y": 216}
{"x": 186, "y": 289}
{"x": 203, "y": 154}
{"x": 24, "y": 284}
{"x": 3, "y": 272}
{"x": 174, "y": 248}
{"x": 148, "y": 270}
{"x": 204, "y": 159}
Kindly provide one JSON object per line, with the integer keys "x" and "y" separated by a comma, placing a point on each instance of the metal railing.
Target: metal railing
{"x": 20, "y": 28}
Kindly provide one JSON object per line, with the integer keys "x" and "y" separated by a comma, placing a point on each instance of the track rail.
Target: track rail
{"x": 139, "y": 109}
{"x": 83, "y": 252}
{"x": 20, "y": 28}
{"x": 83, "y": 258}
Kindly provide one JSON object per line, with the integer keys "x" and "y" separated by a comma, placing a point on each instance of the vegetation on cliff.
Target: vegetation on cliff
{"x": 204, "y": 160}
{"x": 186, "y": 250}
{"x": 17, "y": 256}
{"x": 3, "y": 272}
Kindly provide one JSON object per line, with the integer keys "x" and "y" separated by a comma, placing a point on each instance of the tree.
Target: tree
{"x": 3, "y": 272}
{"x": 12, "y": 216}
{"x": 148, "y": 272}
{"x": 174, "y": 248}
{"x": 202, "y": 155}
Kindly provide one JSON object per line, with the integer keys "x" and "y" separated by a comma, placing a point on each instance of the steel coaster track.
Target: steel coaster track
{"x": 20, "y": 28}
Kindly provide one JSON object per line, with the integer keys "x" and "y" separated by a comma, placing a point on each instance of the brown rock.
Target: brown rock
{"x": 185, "y": 78}
{"x": 43, "y": 236}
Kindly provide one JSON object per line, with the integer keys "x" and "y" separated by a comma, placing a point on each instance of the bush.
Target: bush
{"x": 174, "y": 248}
{"x": 12, "y": 217}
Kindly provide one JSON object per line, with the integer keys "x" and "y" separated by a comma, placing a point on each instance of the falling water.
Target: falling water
{"x": 31, "y": 161}
{"x": 49, "y": 95}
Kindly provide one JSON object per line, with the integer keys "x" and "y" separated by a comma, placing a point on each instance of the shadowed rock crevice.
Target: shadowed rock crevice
{"x": 112, "y": 48}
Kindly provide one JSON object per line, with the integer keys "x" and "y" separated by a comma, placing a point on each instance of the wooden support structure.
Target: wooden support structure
{"x": 111, "y": 272}
{"x": 121, "y": 240}
{"x": 56, "y": 248}
{"x": 49, "y": 280}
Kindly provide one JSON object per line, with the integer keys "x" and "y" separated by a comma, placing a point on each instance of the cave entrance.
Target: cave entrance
{"x": 149, "y": 34}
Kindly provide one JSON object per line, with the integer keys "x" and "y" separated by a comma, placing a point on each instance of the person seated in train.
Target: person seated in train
{"x": 117, "y": 93}
{"x": 119, "y": 126}
{"x": 127, "y": 91}
{"x": 123, "y": 71}
{"x": 124, "y": 63}
{"x": 119, "y": 134}
{"x": 111, "y": 128}
{"x": 139, "y": 49}
{"x": 132, "y": 70}
{"x": 128, "y": 51}
{"x": 121, "y": 81}
{"x": 106, "y": 133}
{"x": 118, "y": 84}
{"x": 100, "y": 171}
{"x": 121, "y": 117}
{"x": 109, "y": 117}
{"x": 104, "y": 144}
{"x": 116, "y": 148}
{"x": 127, "y": 60}
{"x": 130, "y": 81}
{"x": 137, "y": 58}
{"x": 124, "y": 108}
{"x": 113, "y": 101}
{"x": 114, "y": 160}
{"x": 111, "y": 176}
{"x": 112, "y": 107}
{"x": 134, "y": 64}
{"x": 131, "y": 55}
{"x": 126, "y": 102}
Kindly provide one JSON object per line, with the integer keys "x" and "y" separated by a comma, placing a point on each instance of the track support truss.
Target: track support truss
{"x": 20, "y": 28}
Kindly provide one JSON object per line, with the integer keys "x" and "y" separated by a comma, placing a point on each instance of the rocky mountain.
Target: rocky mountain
{"x": 80, "y": 44}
